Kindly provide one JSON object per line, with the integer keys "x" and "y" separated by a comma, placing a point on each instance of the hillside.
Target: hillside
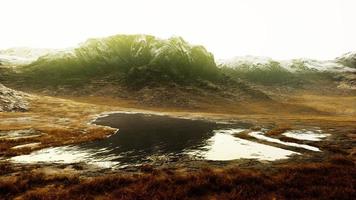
{"x": 348, "y": 59}
{"x": 138, "y": 67}
{"x": 172, "y": 72}
{"x": 129, "y": 59}
{"x": 296, "y": 73}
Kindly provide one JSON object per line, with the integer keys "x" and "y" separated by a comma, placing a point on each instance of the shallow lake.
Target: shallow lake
{"x": 146, "y": 138}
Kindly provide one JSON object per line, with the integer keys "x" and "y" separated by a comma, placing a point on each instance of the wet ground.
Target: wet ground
{"x": 146, "y": 138}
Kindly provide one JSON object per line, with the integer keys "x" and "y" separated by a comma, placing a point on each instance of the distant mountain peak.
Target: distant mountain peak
{"x": 23, "y": 55}
{"x": 348, "y": 59}
{"x": 341, "y": 64}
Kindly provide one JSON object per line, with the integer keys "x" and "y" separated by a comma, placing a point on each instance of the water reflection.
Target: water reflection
{"x": 260, "y": 135}
{"x": 143, "y": 137}
{"x": 310, "y": 135}
{"x": 224, "y": 146}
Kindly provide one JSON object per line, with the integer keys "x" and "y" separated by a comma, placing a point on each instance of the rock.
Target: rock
{"x": 348, "y": 59}
{"x": 11, "y": 100}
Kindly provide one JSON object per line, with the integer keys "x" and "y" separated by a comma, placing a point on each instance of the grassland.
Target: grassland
{"x": 65, "y": 121}
{"x": 331, "y": 179}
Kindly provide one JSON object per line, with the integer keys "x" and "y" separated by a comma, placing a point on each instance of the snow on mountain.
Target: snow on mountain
{"x": 22, "y": 55}
{"x": 348, "y": 59}
{"x": 294, "y": 65}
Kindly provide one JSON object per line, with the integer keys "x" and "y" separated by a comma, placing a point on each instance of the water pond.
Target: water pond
{"x": 145, "y": 138}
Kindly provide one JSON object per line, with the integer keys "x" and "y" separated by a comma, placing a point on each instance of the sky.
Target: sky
{"x": 281, "y": 29}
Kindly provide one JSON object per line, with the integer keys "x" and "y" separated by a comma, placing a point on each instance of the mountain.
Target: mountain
{"x": 348, "y": 59}
{"x": 22, "y": 55}
{"x": 151, "y": 70}
{"x": 294, "y": 73}
{"x": 129, "y": 59}
{"x": 138, "y": 60}
{"x": 341, "y": 64}
{"x": 142, "y": 68}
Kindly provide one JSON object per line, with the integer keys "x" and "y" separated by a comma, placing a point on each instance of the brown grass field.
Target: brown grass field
{"x": 332, "y": 179}
{"x": 66, "y": 121}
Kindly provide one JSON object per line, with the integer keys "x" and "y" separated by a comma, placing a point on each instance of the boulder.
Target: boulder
{"x": 11, "y": 100}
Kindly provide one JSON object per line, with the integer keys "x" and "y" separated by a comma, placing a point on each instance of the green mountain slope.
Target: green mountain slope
{"x": 129, "y": 59}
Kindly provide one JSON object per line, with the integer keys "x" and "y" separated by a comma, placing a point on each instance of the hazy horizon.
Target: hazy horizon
{"x": 277, "y": 29}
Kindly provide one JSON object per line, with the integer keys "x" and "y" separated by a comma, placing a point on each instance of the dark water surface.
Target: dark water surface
{"x": 143, "y": 138}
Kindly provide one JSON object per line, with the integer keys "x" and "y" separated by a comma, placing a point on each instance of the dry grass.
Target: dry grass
{"x": 61, "y": 122}
{"x": 65, "y": 122}
{"x": 334, "y": 179}
{"x": 279, "y": 130}
{"x": 5, "y": 168}
{"x": 344, "y": 105}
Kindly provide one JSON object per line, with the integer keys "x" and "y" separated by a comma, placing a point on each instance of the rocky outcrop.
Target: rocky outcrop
{"x": 348, "y": 59}
{"x": 11, "y": 100}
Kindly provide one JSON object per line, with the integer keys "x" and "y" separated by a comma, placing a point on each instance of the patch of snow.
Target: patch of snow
{"x": 22, "y": 55}
{"x": 260, "y": 62}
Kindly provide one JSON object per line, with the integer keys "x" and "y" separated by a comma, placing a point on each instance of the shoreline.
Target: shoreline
{"x": 68, "y": 122}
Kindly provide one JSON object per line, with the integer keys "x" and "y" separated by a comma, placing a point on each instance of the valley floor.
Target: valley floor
{"x": 53, "y": 121}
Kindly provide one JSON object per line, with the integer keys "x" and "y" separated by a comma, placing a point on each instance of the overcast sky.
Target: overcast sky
{"x": 281, "y": 29}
